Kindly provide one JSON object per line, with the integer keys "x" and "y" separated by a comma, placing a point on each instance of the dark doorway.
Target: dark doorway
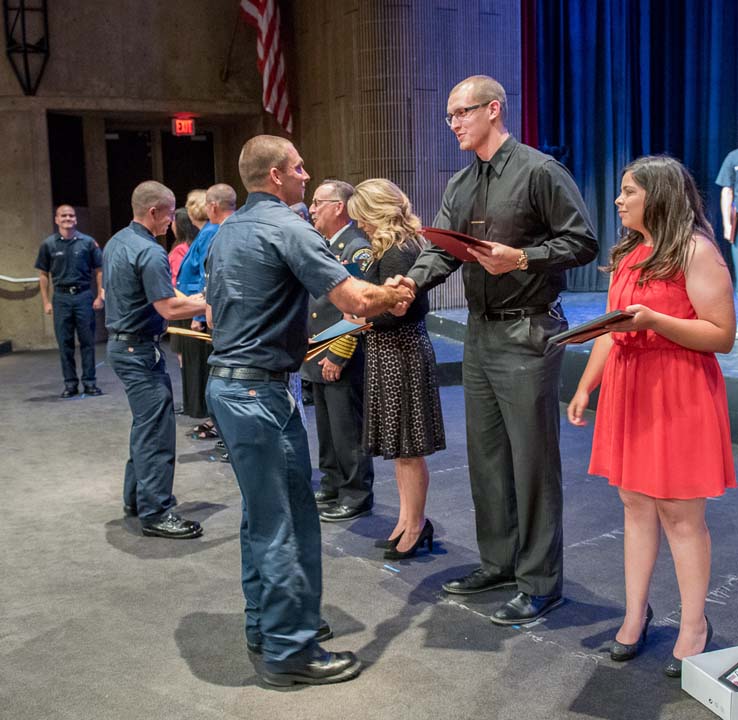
{"x": 67, "y": 160}
{"x": 188, "y": 163}
{"x": 129, "y": 163}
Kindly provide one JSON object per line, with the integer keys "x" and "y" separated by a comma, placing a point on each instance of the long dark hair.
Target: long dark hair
{"x": 673, "y": 214}
{"x": 186, "y": 231}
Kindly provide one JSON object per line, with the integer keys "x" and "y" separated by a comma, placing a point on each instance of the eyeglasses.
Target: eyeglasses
{"x": 462, "y": 113}
{"x": 317, "y": 202}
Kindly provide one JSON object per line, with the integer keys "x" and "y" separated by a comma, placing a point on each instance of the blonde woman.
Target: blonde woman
{"x": 402, "y": 408}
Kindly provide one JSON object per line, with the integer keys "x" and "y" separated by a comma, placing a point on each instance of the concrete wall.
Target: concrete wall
{"x": 128, "y": 61}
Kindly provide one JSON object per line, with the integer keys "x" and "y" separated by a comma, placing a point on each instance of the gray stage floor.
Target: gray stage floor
{"x": 99, "y": 622}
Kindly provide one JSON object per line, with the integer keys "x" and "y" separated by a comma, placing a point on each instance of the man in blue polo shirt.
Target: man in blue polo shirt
{"x": 728, "y": 180}
{"x": 69, "y": 258}
{"x": 263, "y": 263}
{"x": 139, "y": 297}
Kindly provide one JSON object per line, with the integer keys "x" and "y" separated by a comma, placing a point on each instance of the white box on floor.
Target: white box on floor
{"x": 700, "y": 675}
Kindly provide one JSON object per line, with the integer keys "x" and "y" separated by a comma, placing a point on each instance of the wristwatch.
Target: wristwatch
{"x": 522, "y": 263}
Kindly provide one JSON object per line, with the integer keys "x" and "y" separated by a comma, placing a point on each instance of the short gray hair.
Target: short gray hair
{"x": 224, "y": 196}
{"x": 343, "y": 189}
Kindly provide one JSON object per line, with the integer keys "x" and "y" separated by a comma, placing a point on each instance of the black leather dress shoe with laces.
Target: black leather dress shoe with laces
{"x": 69, "y": 392}
{"x": 92, "y": 390}
{"x": 477, "y": 581}
{"x": 524, "y": 608}
{"x": 324, "y": 633}
{"x": 325, "y": 497}
{"x": 339, "y": 513}
{"x": 320, "y": 669}
{"x": 172, "y": 526}
{"x": 130, "y": 511}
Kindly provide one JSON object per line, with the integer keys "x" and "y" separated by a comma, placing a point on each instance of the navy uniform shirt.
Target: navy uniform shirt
{"x": 136, "y": 273}
{"x": 728, "y": 175}
{"x": 263, "y": 262}
{"x": 70, "y": 262}
{"x": 349, "y": 245}
{"x": 532, "y": 202}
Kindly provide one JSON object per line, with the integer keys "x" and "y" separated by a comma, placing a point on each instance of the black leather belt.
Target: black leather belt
{"x": 516, "y": 313}
{"x": 71, "y": 289}
{"x": 249, "y": 373}
{"x": 132, "y": 337}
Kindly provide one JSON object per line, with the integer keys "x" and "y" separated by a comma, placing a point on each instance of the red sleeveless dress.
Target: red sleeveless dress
{"x": 662, "y": 425}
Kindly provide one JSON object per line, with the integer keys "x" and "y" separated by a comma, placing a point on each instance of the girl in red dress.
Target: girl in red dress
{"x": 662, "y": 434}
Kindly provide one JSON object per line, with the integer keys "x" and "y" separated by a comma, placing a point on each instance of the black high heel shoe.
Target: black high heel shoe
{"x": 390, "y": 544}
{"x": 674, "y": 667}
{"x": 620, "y": 652}
{"x": 426, "y": 536}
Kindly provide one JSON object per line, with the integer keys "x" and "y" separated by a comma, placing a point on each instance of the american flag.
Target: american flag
{"x": 264, "y": 16}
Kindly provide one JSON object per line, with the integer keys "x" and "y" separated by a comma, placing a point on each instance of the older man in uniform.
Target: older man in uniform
{"x": 69, "y": 258}
{"x": 338, "y": 376}
{"x": 528, "y": 210}
{"x": 139, "y": 297}
{"x": 263, "y": 263}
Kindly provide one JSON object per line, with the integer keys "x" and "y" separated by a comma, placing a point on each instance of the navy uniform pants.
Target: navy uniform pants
{"x": 74, "y": 313}
{"x": 149, "y": 475}
{"x": 346, "y": 468}
{"x": 511, "y": 391}
{"x": 280, "y": 532}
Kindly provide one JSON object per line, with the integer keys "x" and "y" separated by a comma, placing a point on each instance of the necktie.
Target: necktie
{"x": 479, "y": 209}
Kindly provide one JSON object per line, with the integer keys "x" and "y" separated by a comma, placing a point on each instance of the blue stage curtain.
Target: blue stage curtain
{"x": 618, "y": 79}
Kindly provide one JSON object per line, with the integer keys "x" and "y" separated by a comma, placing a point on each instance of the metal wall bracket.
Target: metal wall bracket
{"x": 27, "y": 40}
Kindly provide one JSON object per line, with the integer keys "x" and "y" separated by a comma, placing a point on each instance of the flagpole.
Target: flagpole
{"x": 226, "y": 69}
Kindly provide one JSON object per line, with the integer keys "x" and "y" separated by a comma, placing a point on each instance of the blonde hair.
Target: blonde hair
{"x": 196, "y": 205}
{"x": 381, "y": 203}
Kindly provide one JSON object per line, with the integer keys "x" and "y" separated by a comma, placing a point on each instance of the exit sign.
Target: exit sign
{"x": 183, "y": 126}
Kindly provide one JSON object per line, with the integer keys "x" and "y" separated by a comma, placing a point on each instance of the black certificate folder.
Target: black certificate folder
{"x": 592, "y": 329}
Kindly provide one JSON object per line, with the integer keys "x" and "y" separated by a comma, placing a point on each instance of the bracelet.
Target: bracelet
{"x": 522, "y": 262}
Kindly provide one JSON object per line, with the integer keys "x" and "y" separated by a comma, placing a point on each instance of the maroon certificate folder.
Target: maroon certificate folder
{"x": 453, "y": 242}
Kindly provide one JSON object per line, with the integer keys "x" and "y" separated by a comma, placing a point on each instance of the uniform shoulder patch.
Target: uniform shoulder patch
{"x": 362, "y": 257}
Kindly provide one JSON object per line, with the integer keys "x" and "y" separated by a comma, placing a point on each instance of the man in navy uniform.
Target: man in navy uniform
{"x": 263, "y": 262}
{"x": 338, "y": 376}
{"x": 69, "y": 258}
{"x": 139, "y": 296}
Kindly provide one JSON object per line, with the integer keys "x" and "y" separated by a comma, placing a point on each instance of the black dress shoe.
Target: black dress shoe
{"x": 524, "y": 608}
{"x": 173, "y": 526}
{"x": 321, "y": 669}
{"x": 324, "y": 633}
{"x": 674, "y": 667}
{"x": 480, "y": 580}
{"x": 325, "y": 497}
{"x": 69, "y": 392}
{"x": 340, "y": 513}
{"x": 130, "y": 511}
{"x": 426, "y": 536}
{"x": 620, "y": 652}
{"x": 92, "y": 390}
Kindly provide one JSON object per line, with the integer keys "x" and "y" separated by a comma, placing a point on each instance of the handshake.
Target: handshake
{"x": 406, "y": 289}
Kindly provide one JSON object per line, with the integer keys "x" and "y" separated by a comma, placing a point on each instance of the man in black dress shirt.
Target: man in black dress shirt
{"x": 529, "y": 210}
{"x": 338, "y": 375}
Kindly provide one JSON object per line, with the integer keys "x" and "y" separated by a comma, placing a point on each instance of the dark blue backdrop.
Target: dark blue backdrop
{"x": 622, "y": 78}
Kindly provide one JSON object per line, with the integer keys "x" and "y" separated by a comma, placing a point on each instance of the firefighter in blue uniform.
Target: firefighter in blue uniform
{"x": 68, "y": 259}
{"x": 139, "y": 296}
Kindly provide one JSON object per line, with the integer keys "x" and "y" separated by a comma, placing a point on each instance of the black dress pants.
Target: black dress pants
{"x": 511, "y": 389}
{"x": 346, "y": 468}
